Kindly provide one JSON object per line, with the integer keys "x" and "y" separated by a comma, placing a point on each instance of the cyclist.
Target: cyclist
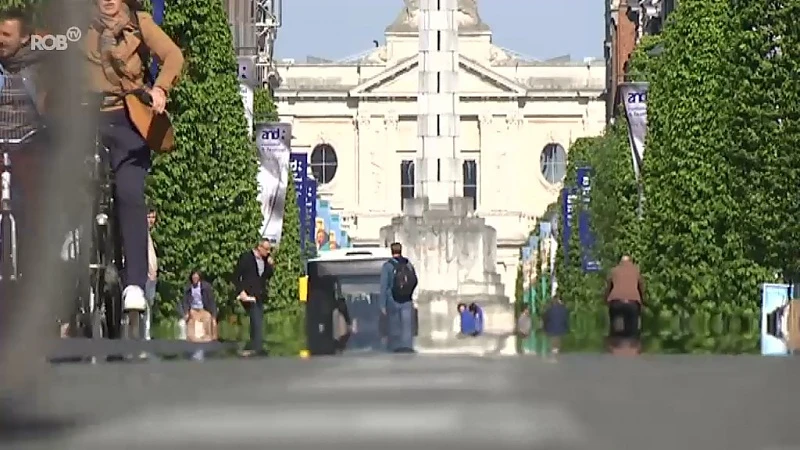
{"x": 20, "y": 107}
{"x": 113, "y": 48}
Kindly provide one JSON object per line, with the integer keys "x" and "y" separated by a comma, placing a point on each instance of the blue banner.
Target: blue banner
{"x": 568, "y": 198}
{"x": 311, "y": 207}
{"x": 158, "y": 17}
{"x": 299, "y": 165}
{"x": 588, "y": 260}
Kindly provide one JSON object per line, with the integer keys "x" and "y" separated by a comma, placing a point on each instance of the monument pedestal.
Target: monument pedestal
{"x": 455, "y": 254}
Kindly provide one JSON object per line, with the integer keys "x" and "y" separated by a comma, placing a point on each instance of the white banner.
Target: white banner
{"x": 274, "y": 141}
{"x": 634, "y": 97}
{"x": 248, "y": 97}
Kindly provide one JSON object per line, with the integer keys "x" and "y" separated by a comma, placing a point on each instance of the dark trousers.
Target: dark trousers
{"x": 130, "y": 162}
{"x": 628, "y": 314}
{"x": 255, "y": 310}
{"x": 401, "y": 325}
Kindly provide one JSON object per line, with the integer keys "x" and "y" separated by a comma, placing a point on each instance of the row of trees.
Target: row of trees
{"x": 721, "y": 165}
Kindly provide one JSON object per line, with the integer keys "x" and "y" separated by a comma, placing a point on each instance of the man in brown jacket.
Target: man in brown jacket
{"x": 624, "y": 296}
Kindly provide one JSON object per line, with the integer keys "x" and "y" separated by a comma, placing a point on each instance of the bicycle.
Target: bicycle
{"x": 102, "y": 310}
{"x": 9, "y": 262}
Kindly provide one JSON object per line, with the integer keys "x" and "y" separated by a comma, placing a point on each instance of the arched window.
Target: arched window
{"x": 553, "y": 162}
{"x": 324, "y": 163}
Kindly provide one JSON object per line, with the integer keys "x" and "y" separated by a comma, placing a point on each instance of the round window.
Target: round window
{"x": 324, "y": 163}
{"x": 553, "y": 162}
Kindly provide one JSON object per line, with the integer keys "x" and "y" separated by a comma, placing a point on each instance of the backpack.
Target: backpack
{"x": 404, "y": 282}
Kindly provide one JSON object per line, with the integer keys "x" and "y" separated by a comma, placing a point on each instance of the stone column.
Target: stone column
{"x": 437, "y": 100}
{"x": 391, "y": 132}
{"x": 513, "y": 145}
{"x": 370, "y": 164}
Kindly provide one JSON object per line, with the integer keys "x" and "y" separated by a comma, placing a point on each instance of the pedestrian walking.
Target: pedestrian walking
{"x": 398, "y": 283}
{"x": 555, "y": 322}
{"x": 253, "y": 272}
{"x": 624, "y": 296}
{"x": 152, "y": 276}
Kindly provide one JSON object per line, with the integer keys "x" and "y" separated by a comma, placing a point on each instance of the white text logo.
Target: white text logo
{"x": 50, "y": 42}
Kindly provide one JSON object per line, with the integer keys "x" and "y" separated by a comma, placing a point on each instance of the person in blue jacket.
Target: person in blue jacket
{"x": 477, "y": 313}
{"x": 555, "y": 321}
{"x": 467, "y": 319}
{"x": 398, "y": 282}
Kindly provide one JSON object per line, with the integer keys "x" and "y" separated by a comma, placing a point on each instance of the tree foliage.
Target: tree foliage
{"x": 288, "y": 259}
{"x": 575, "y": 287}
{"x": 765, "y": 61}
{"x": 693, "y": 249}
{"x": 263, "y": 106}
{"x": 205, "y": 190}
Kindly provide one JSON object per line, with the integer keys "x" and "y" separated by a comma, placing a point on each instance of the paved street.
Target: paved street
{"x": 399, "y": 401}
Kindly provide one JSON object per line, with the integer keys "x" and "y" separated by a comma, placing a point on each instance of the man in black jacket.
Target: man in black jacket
{"x": 251, "y": 278}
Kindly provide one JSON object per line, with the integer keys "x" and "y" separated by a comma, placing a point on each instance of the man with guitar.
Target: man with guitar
{"x": 118, "y": 45}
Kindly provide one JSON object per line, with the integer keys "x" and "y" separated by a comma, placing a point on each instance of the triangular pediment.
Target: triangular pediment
{"x": 402, "y": 79}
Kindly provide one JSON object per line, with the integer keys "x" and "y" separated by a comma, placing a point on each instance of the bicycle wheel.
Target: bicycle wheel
{"x": 115, "y": 316}
{"x": 6, "y": 262}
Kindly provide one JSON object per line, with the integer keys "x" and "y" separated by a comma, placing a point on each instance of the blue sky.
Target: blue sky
{"x": 334, "y": 29}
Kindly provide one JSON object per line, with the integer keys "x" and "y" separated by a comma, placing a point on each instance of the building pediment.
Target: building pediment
{"x": 402, "y": 79}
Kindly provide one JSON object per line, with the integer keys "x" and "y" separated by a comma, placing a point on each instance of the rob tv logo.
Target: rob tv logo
{"x": 50, "y": 42}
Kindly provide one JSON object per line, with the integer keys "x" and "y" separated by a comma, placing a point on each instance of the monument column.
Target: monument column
{"x": 370, "y": 165}
{"x": 437, "y": 100}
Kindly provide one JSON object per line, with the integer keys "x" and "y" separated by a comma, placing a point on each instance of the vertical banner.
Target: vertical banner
{"x": 299, "y": 164}
{"x": 311, "y": 208}
{"x": 248, "y": 98}
{"x": 568, "y": 197}
{"x": 335, "y": 232}
{"x": 322, "y": 225}
{"x": 274, "y": 149}
{"x": 774, "y": 318}
{"x": 585, "y": 233}
{"x": 634, "y": 98}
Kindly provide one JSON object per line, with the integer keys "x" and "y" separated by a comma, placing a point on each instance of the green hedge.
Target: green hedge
{"x": 205, "y": 191}
{"x": 721, "y": 165}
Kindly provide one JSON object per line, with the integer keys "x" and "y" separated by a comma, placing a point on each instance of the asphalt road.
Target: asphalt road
{"x": 398, "y": 401}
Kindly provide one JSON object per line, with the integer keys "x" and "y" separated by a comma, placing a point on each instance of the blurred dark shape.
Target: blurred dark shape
{"x": 555, "y": 318}
{"x": 624, "y": 318}
{"x": 624, "y": 346}
{"x": 28, "y": 324}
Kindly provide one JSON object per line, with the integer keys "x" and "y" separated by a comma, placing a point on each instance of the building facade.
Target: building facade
{"x": 357, "y": 122}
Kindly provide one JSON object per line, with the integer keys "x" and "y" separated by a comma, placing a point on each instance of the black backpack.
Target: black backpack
{"x": 405, "y": 281}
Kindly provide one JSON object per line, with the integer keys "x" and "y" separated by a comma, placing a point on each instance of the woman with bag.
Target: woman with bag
{"x": 199, "y": 309}
{"x": 118, "y": 45}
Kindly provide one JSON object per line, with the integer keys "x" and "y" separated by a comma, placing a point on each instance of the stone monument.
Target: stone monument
{"x": 466, "y": 14}
{"x": 453, "y": 251}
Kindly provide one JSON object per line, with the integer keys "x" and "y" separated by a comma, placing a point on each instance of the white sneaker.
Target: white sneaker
{"x": 133, "y": 299}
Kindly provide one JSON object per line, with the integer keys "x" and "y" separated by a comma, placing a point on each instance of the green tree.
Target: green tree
{"x": 575, "y": 287}
{"x": 288, "y": 259}
{"x": 263, "y": 106}
{"x": 765, "y": 61}
{"x": 205, "y": 190}
{"x": 615, "y": 198}
{"x": 694, "y": 254}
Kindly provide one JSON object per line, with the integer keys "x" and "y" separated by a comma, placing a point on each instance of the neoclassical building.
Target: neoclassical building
{"x": 357, "y": 121}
